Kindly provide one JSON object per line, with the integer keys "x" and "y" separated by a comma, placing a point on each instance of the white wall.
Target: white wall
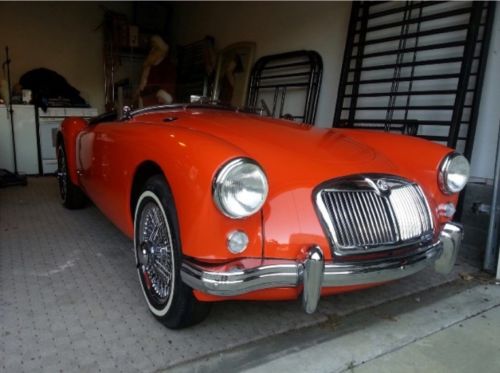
{"x": 61, "y": 36}
{"x": 276, "y": 27}
{"x": 483, "y": 155}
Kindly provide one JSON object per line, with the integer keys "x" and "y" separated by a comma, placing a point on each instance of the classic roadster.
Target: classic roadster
{"x": 229, "y": 205}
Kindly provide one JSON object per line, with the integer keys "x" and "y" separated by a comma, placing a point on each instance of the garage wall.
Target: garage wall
{"x": 276, "y": 27}
{"x": 485, "y": 142}
{"x": 63, "y": 37}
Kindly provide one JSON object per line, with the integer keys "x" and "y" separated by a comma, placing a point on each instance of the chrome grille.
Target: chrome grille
{"x": 361, "y": 217}
{"x": 411, "y": 212}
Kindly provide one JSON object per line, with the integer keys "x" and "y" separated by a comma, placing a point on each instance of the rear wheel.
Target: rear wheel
{"x": 72, "y": 197}
{"x": 158, "y": 257}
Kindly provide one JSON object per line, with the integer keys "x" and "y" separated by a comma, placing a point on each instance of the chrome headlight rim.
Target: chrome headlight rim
{"x": 218, "y": 182}
{"x": 444, "y": 172}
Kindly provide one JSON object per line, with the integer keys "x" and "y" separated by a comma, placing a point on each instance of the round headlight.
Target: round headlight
{"x": 240, "y": 188}
{"x": 453, "y": 173}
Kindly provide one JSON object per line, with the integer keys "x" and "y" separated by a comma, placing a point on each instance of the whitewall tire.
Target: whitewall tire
{"x": 158, "y": 257}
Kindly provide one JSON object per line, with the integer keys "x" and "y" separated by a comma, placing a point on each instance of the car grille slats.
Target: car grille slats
{"x": 365, "y": 218}
{"x": 361, "y": 218}
{"x": 411, "y": 212}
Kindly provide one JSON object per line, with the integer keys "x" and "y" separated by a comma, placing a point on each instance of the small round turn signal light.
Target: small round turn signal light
{"x": 237, "y": 242}
{"x": 447, "y": 209}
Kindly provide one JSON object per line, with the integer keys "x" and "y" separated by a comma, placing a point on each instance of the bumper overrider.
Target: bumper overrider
{"x": 313, "y": 273}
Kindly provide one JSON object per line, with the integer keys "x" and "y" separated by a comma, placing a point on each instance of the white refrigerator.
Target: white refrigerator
{"x": 25, "y": 139}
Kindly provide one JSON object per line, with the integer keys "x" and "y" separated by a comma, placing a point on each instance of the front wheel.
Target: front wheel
{"x": 158, "y": 258}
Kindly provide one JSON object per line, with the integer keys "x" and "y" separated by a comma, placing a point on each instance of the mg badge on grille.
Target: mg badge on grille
{"x": 383, "y": 187}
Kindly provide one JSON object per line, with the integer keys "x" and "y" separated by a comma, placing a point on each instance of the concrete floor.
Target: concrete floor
{"x": 70, "y": 298}
{"x": 453, "y": 328}
{"x": 468, "y": 346}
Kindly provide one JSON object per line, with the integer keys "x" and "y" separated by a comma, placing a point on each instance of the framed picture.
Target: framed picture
{"x": 234, "y": 64}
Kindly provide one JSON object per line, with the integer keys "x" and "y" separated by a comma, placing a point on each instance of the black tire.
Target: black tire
{"x": 71, "y": 196}
{"x": 158, "y": 258}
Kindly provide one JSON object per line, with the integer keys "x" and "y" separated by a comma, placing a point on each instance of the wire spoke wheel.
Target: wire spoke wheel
{"x": 155, "y": 252}
{"x": 159, "y": 257}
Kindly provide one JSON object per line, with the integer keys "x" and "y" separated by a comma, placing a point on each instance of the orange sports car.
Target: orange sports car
{"x": 230, "y": 205}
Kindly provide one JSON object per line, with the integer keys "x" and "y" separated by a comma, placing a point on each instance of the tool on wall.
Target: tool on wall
{"x": 8, "y": 178}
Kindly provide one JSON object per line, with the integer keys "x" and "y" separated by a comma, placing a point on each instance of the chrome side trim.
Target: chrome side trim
{"x": 183, "y": 106}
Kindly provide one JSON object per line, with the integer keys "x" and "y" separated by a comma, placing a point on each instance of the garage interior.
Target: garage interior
{"x": 69, "y": 296}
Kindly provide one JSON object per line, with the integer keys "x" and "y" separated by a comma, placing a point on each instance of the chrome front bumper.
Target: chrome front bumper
{"x": 246, "y": 275}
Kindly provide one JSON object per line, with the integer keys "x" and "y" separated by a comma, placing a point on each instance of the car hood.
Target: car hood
{"x": 285, "y": 148}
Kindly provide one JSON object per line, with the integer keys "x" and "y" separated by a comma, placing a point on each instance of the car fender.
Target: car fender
{"x": 68, "y": 132}
{"x": 189, "y": 160}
